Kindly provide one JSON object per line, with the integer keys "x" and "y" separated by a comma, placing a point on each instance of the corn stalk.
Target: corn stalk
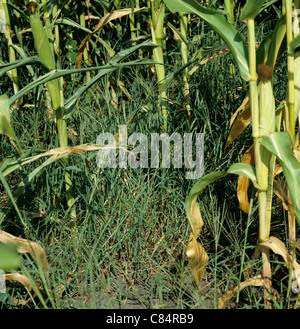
{"x": 261, "y": 155}
{"x": 8, "y": 34}
{"x": 184, "y": 54}
{"x": 46, "y": 54}
{"x": 157, "y": 31}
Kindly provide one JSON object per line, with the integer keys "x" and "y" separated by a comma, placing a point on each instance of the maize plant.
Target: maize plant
{"x": 271, "y": 145}
{"x": 53, "y": 78}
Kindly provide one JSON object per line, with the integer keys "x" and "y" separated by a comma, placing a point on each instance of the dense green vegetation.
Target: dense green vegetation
{"x": 115, "y": 237}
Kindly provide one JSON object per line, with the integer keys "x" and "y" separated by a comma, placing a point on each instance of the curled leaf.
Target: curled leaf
{"x": 279, "y": 248}
{"x": 26, "y": 283}
{"x": 243, "y": 120}
{"x": 197, "y": 255}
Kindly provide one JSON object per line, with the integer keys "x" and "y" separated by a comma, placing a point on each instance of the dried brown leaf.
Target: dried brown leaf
{"x": 176, "y": 36}
{"x": 196, "y": 254}
{"x": 114, "y": 98}
{"x": 279, "y": 248}
{"x": 104, "y": 20}
{"x": 255, "y": 281}
{"x": 242, "y": 121}
{"x": 71, "y": 150}
{"x": 124, "y": 89}
{"x": 26, "y": 283}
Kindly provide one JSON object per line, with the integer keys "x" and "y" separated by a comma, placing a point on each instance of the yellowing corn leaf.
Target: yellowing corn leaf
{"x": 197, "y": 256}
{"x": 243, "y": 182}
{"x": 24, "y": 246}
{"x": 242, "y": 121}
{"x": 279, "y": 248}
{"x": 255, "y": 281}
{"x": 104, "y": 20}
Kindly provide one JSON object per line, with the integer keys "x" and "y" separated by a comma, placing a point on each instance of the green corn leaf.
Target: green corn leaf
{"x": 9, "y": 257}
{"x": 295, "y": 43}
{"x": 221, "y": 26}
{"x": 113, "y": 65}
{"x": 276, "y": 42}
{"x": 280, "y": 145}
{"x": 121, "y": 55}
{"x": 263, "y": 49}
{"x": 251, "y": 9}
{"x": 181, "y": 36}
{"x": 115, "y": 62}
{"x": 9, "y": 165}
{"x": 35, "y": 60}
{"x": 106, "y": 69}
{"x": 23, "y": 55}
{"x": 69, "y": 22}
{"x": 237, "y": 169}
{"x": 5, "y": 125}
{"x": 272, "y": 47}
